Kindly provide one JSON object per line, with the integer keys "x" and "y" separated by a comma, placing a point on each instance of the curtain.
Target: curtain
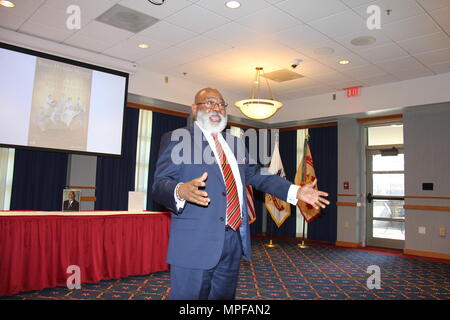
{"x": 288, "y": 153}
{"x": 6, "y": 174}
{"x": 144, "y": 143}
{"x": 161, "y": 124}
{"x": 38, "y": 180}
{"x": 116, "y": 175}
{"x": 323, "y": 144}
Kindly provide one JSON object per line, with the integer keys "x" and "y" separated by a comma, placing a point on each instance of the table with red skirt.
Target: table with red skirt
{"x": 37, "y": 248}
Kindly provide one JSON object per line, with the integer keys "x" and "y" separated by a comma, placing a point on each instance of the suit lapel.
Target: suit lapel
{"x": 200, "y": 143}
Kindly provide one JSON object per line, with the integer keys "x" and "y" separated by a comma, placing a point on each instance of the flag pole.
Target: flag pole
{"x": 271, "y": 244}
{"x": 303, "y": 245}
{"x": 305, "y": 146}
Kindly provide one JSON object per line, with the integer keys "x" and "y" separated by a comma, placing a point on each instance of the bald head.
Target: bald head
{"x": 206, "y": 93}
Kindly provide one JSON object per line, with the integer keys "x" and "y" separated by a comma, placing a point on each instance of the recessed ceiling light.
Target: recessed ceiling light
{"x": 344, "y": 62}
{"x": 7, "y": 4}
{"x": 363, "y": 41}
{"x": 233, "y": 4}
{"x": 324, "y": 51}
{"x": 143, "y": 46}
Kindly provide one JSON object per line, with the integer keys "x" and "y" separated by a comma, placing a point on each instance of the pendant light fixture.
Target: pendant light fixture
{"x": 256, "y": 107}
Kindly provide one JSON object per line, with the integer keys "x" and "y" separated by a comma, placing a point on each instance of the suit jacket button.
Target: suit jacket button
{"x": 224, "y": 193}
{"x": 221, "y": 218}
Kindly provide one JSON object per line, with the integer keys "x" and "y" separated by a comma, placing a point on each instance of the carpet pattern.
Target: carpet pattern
{"x": 288, "y": 272}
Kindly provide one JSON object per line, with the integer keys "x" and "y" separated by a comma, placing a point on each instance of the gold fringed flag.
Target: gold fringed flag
{"x": 279, "y": 210}
{"x": 250, "y": 204}
{"x": 305, "y": 175}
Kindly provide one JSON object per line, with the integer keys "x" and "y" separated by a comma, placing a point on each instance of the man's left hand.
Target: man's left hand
{"x": 314, "y": 197}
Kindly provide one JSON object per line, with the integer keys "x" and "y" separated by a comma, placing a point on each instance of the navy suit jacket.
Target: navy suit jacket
{"x": 197, "y": 233}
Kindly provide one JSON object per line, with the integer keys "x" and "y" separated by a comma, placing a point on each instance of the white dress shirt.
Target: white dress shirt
{"x": 292, "y": 192}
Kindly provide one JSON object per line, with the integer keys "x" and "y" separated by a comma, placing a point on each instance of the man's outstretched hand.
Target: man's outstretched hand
{"x": 314, "y": 197}
{"x": 189, "y": 191}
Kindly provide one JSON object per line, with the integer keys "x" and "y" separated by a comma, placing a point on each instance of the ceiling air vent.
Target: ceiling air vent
{"x": 282, "y": 75}
{"x": 126, "y": 19}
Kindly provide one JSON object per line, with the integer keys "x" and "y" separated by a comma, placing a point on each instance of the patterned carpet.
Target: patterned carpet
{"x": 288, "y": 272}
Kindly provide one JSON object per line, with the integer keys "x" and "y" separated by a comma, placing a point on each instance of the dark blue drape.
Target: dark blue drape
{"x": 288, "y": 153}
{"x": 161, "y": 124}
{"x": 115, "y": 176}
{"x": 38, "y": 180}
{"x": 323, "y": 144}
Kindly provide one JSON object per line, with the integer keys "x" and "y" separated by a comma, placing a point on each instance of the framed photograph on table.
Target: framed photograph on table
{"x": 71, "y": 200}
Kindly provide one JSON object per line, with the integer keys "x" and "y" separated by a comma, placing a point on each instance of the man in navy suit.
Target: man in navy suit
{"x": 209, "y": 229}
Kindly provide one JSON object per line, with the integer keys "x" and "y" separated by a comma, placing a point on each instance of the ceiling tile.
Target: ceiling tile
{"x": 193, "y": 49}
{"x": 413, "y": 73}
{"x": 426, "y": 43}
{"x": 46, "y": 32}
{"x": 89, "y": 9}
{"x": 430, "y": 5}
{"x": 392, "y": 66}
{"x": 412, "y": 27}
{"x": 129, "y": 50}
{"x": 23, "y": 8}
{"x": 307, "y": 10}
{"x": 159, "y": 12}
{"x": 11, "y": 21}
{"x": 247, "y": 7}
{"x": 311, "y": 67}
{"x": 234, "y": 34}
{"x": 167, "y": 33}
{"x": 442, "y": 16}
{"x": 332, "y": 60}
{"x": 103, "y": 32}
{"x": 384, "y": 52}
{"x": 332, "y": 76}
{"x": 434, "y": 57}
{"x": 364, "y": 72}
{"x": 197, "y": 19}
{"x": 51, "y": 17}
{"x": 300, "y": 36}
{"x": 87, "y": 43}
{"x": 380, "y": 37}
{"x": 268, "y": 20}
{"x": 400, "y": 9}
{"x": 441, "y": 67}
{"x": 357, "y": 3}
{"x": 340, "y": 24}
{"x": 377, "y": 80}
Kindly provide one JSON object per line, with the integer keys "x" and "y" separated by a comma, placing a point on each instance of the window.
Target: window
{"x": 385, "y": 135}
{"x": 6, "y": 176}
{"x": 143, "y": 152}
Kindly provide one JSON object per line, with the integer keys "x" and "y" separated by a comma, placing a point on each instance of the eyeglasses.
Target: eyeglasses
{"x": 209, "y": 104}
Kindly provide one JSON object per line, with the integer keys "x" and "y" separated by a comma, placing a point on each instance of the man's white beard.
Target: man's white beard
{"x": 208, "y": 125}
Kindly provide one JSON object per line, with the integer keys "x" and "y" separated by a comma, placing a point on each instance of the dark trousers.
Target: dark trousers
{"x": 218, "y": 283}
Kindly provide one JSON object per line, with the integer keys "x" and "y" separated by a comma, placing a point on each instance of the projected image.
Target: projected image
{"x": 60, "y": 106}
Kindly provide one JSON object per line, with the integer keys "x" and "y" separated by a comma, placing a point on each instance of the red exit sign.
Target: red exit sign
{"x": 353, "y": 91}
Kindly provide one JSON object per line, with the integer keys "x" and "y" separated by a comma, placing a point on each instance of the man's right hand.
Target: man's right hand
{"x": 189, "y": 191}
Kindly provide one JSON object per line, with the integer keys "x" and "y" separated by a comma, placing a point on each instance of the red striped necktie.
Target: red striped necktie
{"x": 234, "y": 219}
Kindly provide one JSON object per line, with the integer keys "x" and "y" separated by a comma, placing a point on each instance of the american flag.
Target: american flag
{"x": 250, "y": 204}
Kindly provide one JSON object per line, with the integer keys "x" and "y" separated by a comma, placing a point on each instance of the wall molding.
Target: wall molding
{"x": 88, "y": 199}
{"x": 428, "y": 254}
{"x": 348, "y": 244}
{"x": 425, "y": 197}
{"x": 346, "y": 204}
{"x": 426, "y": 207}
